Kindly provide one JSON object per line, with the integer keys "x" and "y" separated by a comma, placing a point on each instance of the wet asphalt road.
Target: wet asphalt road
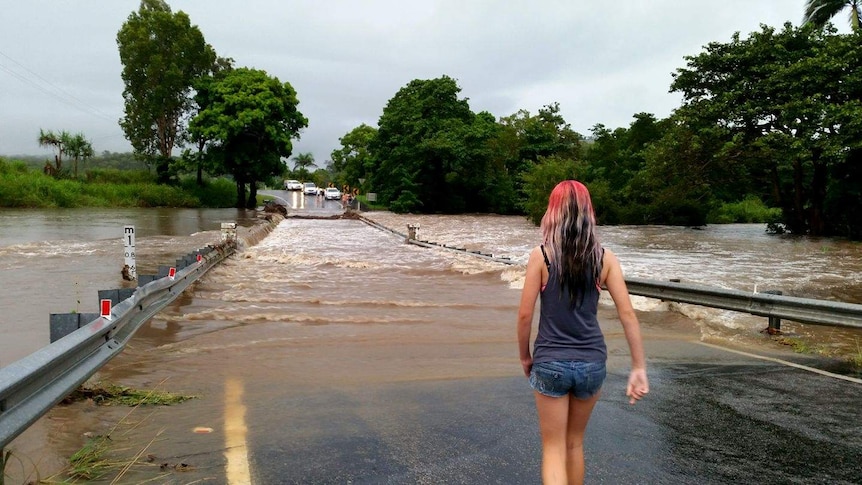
{"x": 712, "y": 416}
{"x": 722, "y": 419}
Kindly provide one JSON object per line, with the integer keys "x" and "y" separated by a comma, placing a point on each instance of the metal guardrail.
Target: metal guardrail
{"x": 803, "y": 310}
{"x": 774, "y": 306}
{"x": 33, "y": 385}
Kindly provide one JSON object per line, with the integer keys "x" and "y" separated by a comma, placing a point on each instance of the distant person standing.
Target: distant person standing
{"x": 567, "y": 366}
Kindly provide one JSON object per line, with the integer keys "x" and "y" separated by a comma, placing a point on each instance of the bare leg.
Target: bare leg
{"x": 553, "y": 418}
{"x": 579, "y": 415}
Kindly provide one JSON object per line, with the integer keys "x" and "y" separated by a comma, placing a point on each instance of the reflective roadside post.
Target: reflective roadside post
{"x": 130, "y": 271}
{"x": 228, "y": 232}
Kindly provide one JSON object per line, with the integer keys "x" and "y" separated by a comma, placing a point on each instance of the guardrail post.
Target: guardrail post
{"x": 412, "y": 230}
{"x": 774, "y": 327}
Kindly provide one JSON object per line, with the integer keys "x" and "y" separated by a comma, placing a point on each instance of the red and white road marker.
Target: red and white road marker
{"x": 172, "y": 273}
{"x": 106, "y": 309}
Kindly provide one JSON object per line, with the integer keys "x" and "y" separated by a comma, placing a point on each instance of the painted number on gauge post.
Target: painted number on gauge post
{"x": 129, "y": 251}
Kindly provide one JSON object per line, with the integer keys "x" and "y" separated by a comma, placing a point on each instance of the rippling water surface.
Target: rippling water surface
{"x": 55, "y": 261}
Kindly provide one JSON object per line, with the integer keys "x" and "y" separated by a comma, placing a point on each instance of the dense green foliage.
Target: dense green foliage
{"x": 431, "y": 153}
{"x": 770, "y": 130}
{"x": 249, "y": 119}
{"x": 427, "y": 151}
{"x": 23, "y": 187}
{"x": 352, "y": 164}
{"x": 784, "y": 109}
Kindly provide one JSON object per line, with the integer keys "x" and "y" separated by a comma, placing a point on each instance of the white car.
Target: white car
{"x": 292, "y": 185}
{"x": 309, "y": 188}
{"x": 331, "y": 193}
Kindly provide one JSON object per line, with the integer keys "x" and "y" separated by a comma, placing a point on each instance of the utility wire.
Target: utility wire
{"x": 60, "y": 94}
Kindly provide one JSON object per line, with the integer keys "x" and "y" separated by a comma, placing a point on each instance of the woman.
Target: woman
{"x": 567, "y": 367}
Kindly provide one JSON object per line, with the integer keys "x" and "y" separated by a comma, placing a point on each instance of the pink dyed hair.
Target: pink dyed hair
{"x": 570, "y": 240}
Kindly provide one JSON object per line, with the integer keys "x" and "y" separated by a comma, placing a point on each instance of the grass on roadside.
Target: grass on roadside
{"x": 802, "y": 346}
{"x": 96, "y": 459}
{"x": 856, "y": 358}
{"x": 112, "y": 394}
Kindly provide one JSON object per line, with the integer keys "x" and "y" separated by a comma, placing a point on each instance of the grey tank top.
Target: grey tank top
{"x": 566, "y": 332}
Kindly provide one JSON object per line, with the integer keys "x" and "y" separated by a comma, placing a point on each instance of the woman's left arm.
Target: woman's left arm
{"x": 532, "y": 284}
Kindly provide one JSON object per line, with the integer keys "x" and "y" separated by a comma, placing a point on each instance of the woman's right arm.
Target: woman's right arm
{"x": 532, "y": 285}
{"x": 638, "y": 385}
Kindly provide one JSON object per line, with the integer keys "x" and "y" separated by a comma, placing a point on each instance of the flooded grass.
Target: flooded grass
{"x": 101, "y": 457}
{"x": 89, "y": 463}
{"x": 111, "y": 394}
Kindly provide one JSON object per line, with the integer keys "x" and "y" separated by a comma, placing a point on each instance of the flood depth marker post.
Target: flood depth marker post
{"x": 129, "y": 252}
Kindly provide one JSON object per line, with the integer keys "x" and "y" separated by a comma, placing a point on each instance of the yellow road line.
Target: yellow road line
{"x": 784, "y": 362}
{"x": 236, "y": 448}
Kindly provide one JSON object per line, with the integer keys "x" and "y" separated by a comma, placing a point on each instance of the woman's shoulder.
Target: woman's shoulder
{"x": 608, "y": 257}
{"x": 536, "y": 256}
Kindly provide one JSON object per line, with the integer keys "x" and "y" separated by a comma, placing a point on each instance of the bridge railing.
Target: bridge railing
{"x": 32, "y": 385}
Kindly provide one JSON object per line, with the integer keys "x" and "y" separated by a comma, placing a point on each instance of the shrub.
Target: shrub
{"x": 749, "y": 210}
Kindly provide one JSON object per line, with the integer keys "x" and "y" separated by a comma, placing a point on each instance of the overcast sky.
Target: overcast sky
{"x": 603, "y": 61}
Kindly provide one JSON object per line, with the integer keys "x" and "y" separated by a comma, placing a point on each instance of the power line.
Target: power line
{"x": 60, "y": 94}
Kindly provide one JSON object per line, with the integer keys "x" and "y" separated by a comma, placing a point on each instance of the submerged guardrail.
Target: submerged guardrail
{"x": 768, "y": 304}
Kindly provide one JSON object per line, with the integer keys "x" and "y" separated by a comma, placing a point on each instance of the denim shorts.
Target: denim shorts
{"x": 556, "y": 379}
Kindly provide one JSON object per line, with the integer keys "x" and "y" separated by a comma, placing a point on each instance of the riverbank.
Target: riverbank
{"x": 21, "y": 187}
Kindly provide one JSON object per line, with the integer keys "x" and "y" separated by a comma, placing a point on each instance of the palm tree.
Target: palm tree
{"x": 819, "y": 12}
{"x": 79, "y": 148}
{"x": 57, "y": 141}
{"x": 301, "y": 164}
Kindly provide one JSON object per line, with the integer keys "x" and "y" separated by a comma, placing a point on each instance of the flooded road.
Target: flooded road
{"x": 331, "y": 333}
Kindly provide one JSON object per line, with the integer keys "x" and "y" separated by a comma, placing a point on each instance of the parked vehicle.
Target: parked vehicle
{"x": 331, "y": 193}
{"x": 309, "y": 188}
{"x": 292, "y": 185}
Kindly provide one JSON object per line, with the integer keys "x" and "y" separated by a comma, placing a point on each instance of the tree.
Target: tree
{"x": 524, "y": 138}
{"x": 540, "y": 179}
{"x": 819, "y": 12}
{"x": 353, "y": 160}
{"x": 162, "y": 56}
{"x": 79, "y": 148}
{"x": 427, "y": 151}
{"x": 301, "y": 163}
{"x": 251, "y": 119}
{"x": 791, "y": 97}
{"x": 58, "y": 142}
{"x": 198, "y": 161}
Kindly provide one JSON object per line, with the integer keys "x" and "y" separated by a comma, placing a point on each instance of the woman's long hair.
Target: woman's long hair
{"x": 569, "y": 236}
